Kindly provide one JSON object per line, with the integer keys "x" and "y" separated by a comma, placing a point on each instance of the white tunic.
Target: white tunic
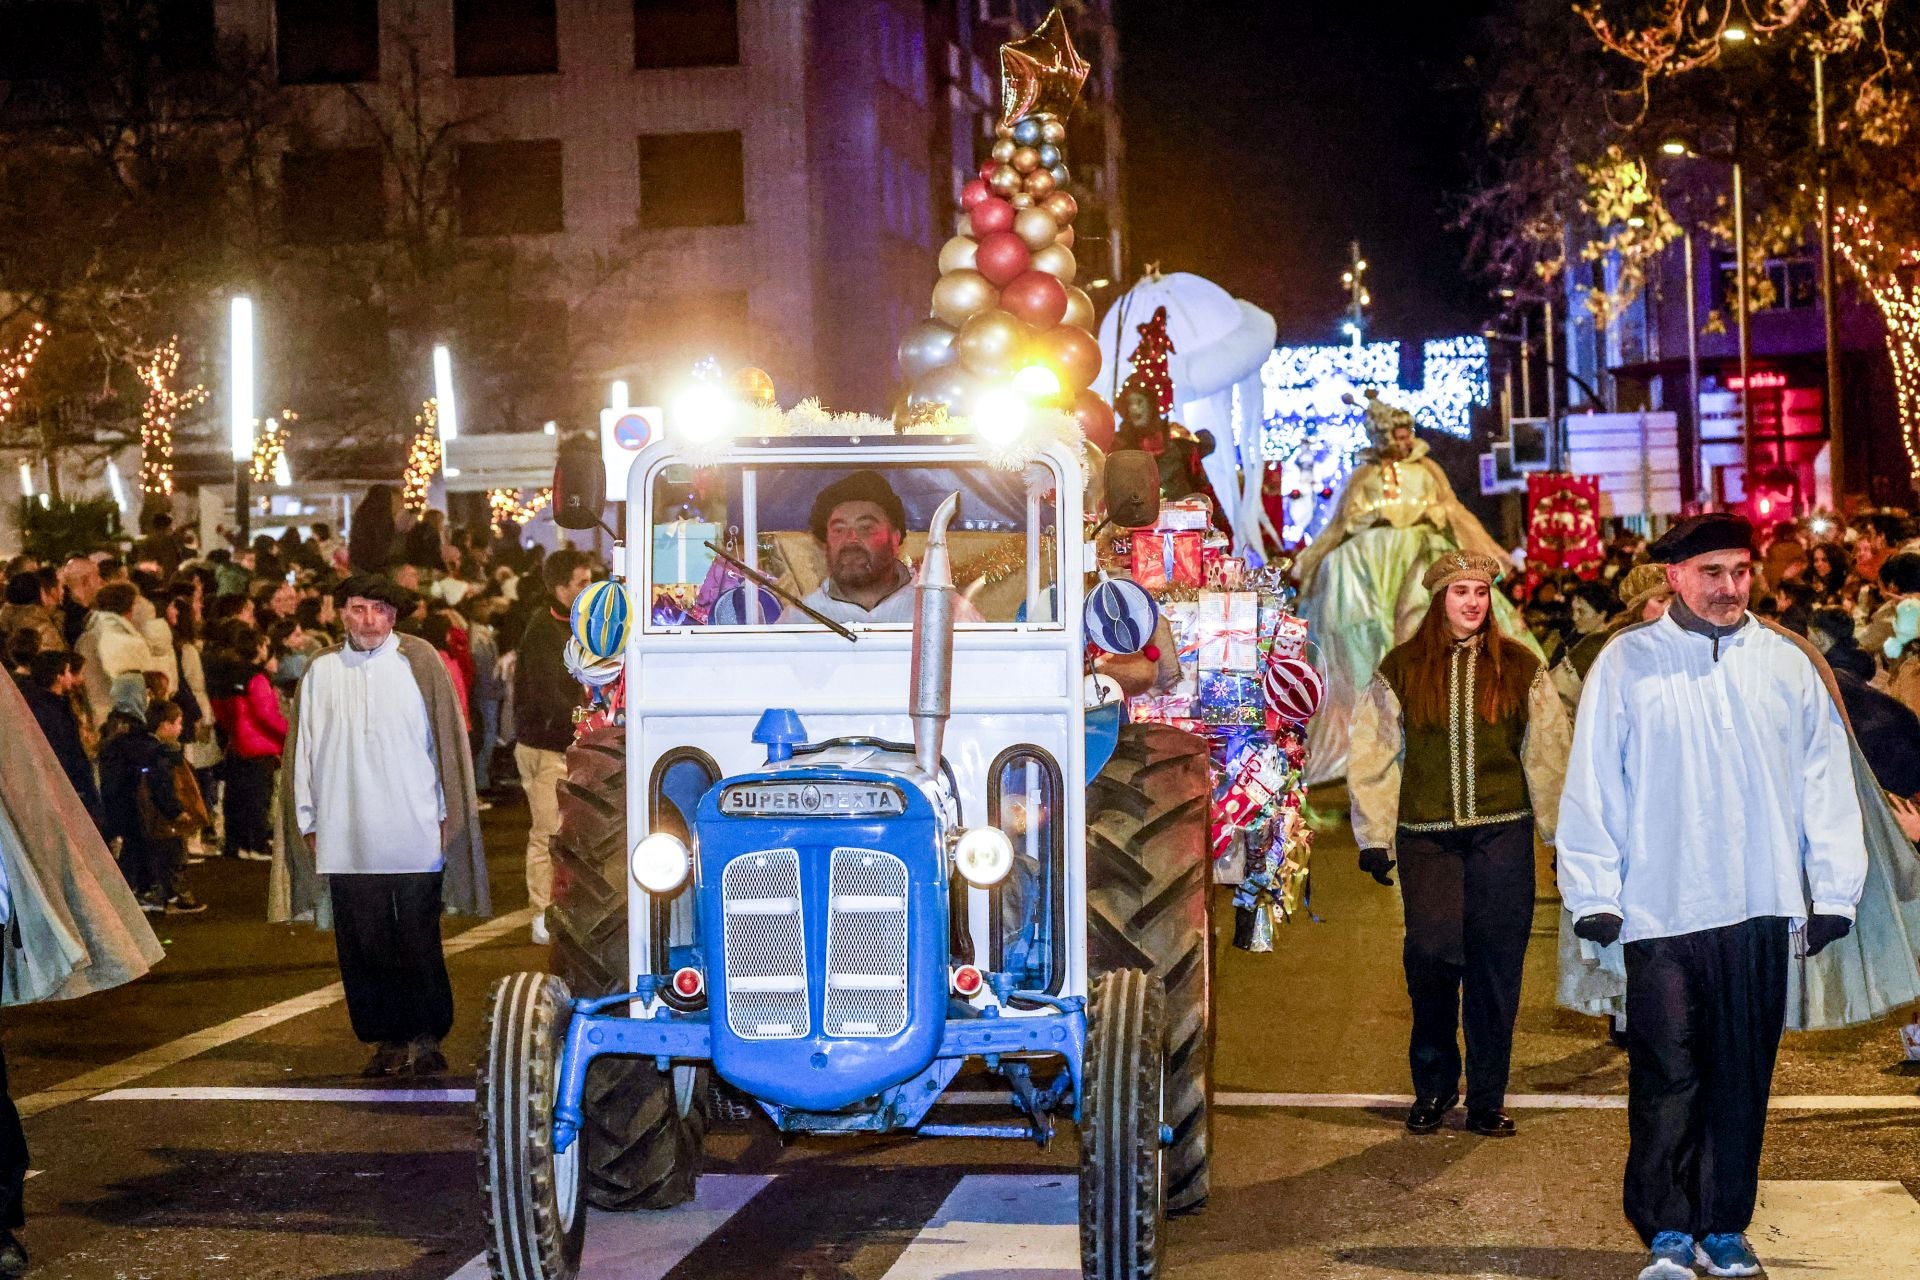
{"x": 1701, "y": 792}
{"x": 366, "y": 783}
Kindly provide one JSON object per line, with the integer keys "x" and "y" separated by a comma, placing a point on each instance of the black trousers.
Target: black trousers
{"x": 13, "y": 1151}
{"x": 1704, "y": 1015}
{"x": 1469, "y": 907}
{"x": 246, "y": 801}
{"x": 386, "y": 929}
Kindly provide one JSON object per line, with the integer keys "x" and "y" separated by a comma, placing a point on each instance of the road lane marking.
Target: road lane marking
{"x": 968, "y": 1235}
{"x": 1818, "y": 1230}
{"x": 141, "y": 1065}
{"x": 1557, "y": 1101}
{"x": 648, "y": 1244}
{"x": 231, "y": 1093}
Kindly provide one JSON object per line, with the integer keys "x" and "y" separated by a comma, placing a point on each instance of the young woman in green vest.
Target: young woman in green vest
{"x": 1459, "y": 751}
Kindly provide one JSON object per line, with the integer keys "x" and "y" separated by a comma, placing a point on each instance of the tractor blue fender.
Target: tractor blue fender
{"x": 1103, "y": 735}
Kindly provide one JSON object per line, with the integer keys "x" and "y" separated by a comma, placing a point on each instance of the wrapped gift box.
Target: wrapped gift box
{"x": 1183, "y": 620}
{"x": 1167, "y": 559}
{"x": 679, "y": 553}
{"x": 1194, "y": 514}
{"x": 1230, "y": 699}
{"x": 1229, "y": 631}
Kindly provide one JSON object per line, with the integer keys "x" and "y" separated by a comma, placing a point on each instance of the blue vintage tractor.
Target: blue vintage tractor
{"x": 823, "y": 864}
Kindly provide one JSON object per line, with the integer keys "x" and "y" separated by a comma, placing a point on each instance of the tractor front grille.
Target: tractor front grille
{"x": 766, "y": 961}
{"x": 867, "y": 945}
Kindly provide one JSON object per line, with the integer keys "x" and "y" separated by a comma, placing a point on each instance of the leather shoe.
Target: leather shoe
{"x": 1491, "y": 1124}
{"x": 1427, "y": 1114}
{"x": 388, "y": 1059}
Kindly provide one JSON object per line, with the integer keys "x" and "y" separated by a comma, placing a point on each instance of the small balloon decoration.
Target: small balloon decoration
{"x": 1120, "y": 616}
{"x": 1293, "y": 688}
{"x": 600, "y": 617}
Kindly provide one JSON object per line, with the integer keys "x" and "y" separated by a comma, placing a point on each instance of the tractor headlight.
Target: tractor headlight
{"x": 984, "y": 856}
{"x": 660, "y": 863}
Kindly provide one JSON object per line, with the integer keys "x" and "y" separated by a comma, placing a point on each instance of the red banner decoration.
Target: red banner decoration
{"x": 1563, "y": 522}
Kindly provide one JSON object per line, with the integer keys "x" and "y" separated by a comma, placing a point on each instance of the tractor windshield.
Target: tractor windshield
{"x": 846, "y": 539}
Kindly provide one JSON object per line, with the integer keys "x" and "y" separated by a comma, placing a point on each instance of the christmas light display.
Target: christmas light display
{"x": 270, "y": 450}
{"x": 506, "y": 505}
{"x": 1150, "y": 361}
{"x": 15, "y": 363}
{"x": 423, "y": 457}
{"x": 1888, "y": 274}
{"x": 160, "y": 414}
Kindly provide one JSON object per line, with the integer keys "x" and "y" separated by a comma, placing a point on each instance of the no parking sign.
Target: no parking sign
{"x": 623, "y": 434}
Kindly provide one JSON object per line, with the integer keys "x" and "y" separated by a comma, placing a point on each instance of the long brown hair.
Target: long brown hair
{"x": 1501, "y": 687}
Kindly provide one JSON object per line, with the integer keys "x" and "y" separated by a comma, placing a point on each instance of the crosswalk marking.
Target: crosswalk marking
{"x": 969, "y": 1233}
{"x": 647, "y": 1245}
{"x": 1821, "y": 1230}
{"x": 235, "y": 1093}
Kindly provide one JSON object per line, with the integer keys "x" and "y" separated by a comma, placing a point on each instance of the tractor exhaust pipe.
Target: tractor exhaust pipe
{"x": 930, "y": 697}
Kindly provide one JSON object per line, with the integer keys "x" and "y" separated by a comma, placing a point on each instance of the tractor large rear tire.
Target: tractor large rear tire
{"x": 1123, "y": 1164}
{"x": 530, "y": 1194}
{"x": 1149, "y": 877}
{"x": 645, "y": 1129}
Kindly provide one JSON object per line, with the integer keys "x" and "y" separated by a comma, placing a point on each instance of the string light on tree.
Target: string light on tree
{"x": 270, "y": 450}
{"x": 15, "y": 363}
{"x": 423, "y": 457}
{"x": 1888, "y": 273}
{"x": 506, "y": 505}
{"x": 1150, "y": 359}
{"x": 160, "y": 414}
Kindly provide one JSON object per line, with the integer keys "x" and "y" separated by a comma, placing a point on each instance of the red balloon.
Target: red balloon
{"x": 987, "y": 167}
{"x": 1002, "y": 256}
{"x": 1072, "y": 352}
{"x": 973, "y": 193}
{"x": 990, "y": 215}
{"x": 1095, "y": 419}
{"x": 1036, "y": 297}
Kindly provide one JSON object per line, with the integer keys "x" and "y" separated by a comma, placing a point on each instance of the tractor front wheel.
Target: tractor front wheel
{"x": 1123, "y": 1165}
{"x": 536, "y": 1220}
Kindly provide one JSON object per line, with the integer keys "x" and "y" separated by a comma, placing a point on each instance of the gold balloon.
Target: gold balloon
{"x": 1005, "y": 180}
{"x": 1035, "y": 226}
{"x": 1020, "y": 200}
{"x": 1025, "y": 159}
{"x": 1041, "y": 73}
{"x": 1040, "y": 184}
{"x": 957, "y": 254}
{"x": 959, "y": 294}
{"x": 1053, "y": 131}
{"x": 1057, "y": 262}
{"x": 1080, "y": 311}
{"x": 1063, "y": 207}
{"x": 991, "y": 343}
{"x": 1003, "y": 130}
{"x": 755, "y": 386}
{"x": 1003, "y": 149}
{"x": 1065, "y": 238}
{"x": 963, "y": 223}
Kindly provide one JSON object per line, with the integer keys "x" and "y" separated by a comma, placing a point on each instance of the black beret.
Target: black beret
{"x": 1712, "y": 531}
{"x": 375, "y": 587}
{"x": 861, "y": 486}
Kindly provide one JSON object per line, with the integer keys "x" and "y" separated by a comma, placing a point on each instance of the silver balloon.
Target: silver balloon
{"x": 927, "y": 345}
{"x": 950, "y": 385}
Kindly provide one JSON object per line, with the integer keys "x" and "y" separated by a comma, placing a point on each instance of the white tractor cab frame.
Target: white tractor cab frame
{"x": 830, "y": 863}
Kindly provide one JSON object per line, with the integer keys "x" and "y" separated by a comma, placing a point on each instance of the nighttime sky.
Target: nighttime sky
{"x": 1263, "y": 136}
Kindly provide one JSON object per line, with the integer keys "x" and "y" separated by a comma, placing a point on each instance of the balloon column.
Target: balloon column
{"x": 1006, "y": 297}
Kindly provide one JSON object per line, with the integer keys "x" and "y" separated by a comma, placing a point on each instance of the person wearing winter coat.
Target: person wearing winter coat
{"x": 248, "y": 712}
{"x": 32, "y": 598}
{"x": 144, "y": 807}
{"x": 111, "y": 646}
{"x": 48, "y": 689}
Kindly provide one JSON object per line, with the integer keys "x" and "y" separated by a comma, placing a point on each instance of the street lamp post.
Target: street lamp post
{"x": 1743, "y": 328}
{"x": 1836, "y": 451}
{"x": 241, "y": 402}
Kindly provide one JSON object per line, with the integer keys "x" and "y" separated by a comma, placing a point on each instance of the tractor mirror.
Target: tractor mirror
{"x": 1133, "y": 488}
{"x": 579, "y": 486}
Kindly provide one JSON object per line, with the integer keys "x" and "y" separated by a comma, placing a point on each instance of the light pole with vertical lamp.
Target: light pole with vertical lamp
{"x": 242, "y": 400}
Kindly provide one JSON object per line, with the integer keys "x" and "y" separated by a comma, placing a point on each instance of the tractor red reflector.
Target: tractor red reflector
{"x": 966, "y": 981}
{"x": 688, "y": 982}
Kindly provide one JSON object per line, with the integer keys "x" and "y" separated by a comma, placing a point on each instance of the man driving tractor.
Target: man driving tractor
{"x": 860, "y": 521}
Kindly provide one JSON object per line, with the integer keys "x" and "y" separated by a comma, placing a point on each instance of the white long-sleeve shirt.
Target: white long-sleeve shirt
{"x": 1701, "y": 790}
{"x": 366, "y": 782}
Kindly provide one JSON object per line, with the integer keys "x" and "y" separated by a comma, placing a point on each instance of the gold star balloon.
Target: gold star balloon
{"x": 1041, "y": 73}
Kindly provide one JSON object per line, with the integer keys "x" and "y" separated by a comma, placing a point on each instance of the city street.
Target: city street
{"x": 209, "y": 1121}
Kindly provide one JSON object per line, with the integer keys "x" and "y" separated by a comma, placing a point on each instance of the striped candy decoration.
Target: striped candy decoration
{"x": 1293, "y": 688}
{"x": 599, "y": 620}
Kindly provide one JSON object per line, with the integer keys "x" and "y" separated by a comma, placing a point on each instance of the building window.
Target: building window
{"x": 691, "y": 180}
{"x": 905, "y": 201}
{"x": 505, "y": 38}
{"x": 903, "y": 53}
{"x": 510, "y": 188}
{"x": 1795, "y": 284}
{"x": 685, "y": 33}
{"x": 48, "y": 39}
{"x": 332, "y": 197}
{"x": 327, "y": 41}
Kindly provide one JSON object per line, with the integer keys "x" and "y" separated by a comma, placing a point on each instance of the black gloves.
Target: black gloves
{"x": 1825, "y": 930}
{"x": 1603, "y": 928}
{"x": 1376, "y": 863}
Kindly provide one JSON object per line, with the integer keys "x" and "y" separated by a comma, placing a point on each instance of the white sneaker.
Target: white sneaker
{"x": 540, "y": 935}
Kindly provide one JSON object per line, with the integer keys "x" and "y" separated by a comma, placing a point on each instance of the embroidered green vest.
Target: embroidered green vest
{"x": 1463, "y": 772}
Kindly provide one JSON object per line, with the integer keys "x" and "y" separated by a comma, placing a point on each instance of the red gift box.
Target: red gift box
{"x": 1169, "y": 558}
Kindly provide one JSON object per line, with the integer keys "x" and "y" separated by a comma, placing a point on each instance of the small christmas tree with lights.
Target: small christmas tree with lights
{"x": 1150, "y": 362}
